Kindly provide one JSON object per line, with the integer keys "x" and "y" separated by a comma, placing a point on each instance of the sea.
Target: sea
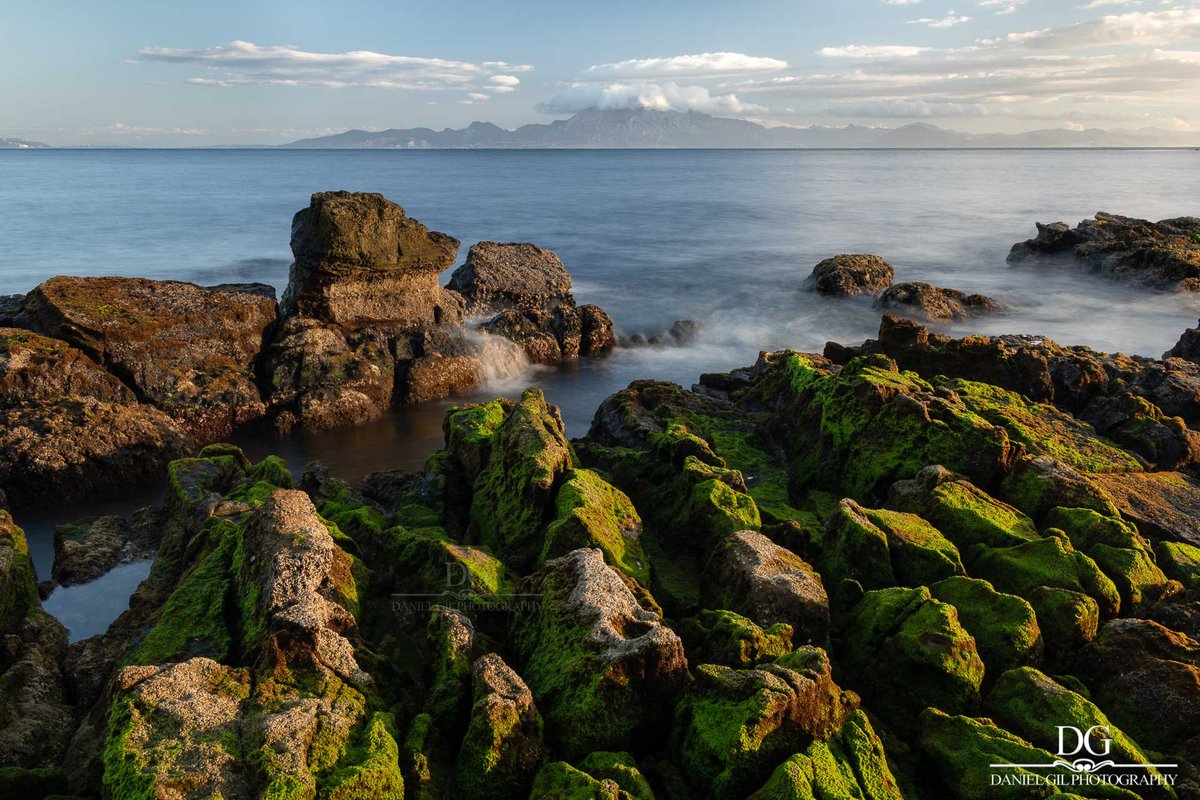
{"x": 723, "y": 237}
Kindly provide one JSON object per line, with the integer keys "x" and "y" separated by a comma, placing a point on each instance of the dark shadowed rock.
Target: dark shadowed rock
{"x": 933, "y": 303}
{"x": 189, "y": 351}
{"x": 360, "y": 261}
{"x": 596, "y": 335}
{"x": 522, "y": 276}
{"x": 1161, "y": 255}
{"x": 503, "y": 745}
{"x": 1188, "y": 346}
{"x": 10, "y": 305}
{"x": 87, "y": 549}
{"x": 845, "y": 275}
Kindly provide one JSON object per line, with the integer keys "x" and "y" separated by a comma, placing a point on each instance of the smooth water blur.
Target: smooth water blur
{"x": 724, "y": 237}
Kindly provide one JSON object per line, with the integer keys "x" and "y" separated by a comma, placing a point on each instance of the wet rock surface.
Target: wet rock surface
{"x": 846, "y": 275}
{"x": 929, "y": 302}
{"x": 1162, "y": 255}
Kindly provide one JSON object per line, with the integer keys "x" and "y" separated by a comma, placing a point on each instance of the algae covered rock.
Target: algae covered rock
{"x": 1049, "y": 561}
{"x": 845, "y": 275}
{"x": 723, "y": 637}
{"x": 851, "y": 765}
{"x": 929, "y": 302}
{"x": 590, "y": 512}
{"x": 1181, "y": 562}
{"x": 903, "y": 651}
{"x": 733, "y": 726}
{"x": 590, "y": 651}
{"x": 750, "y": 574}
{"x": 1118, "y": 550}
{"x": 1068, "y": 620}
{"x": 503, "y": 744}
{"x": 1005, "y": 627}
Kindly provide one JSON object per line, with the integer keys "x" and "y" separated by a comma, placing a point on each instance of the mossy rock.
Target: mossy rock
{"x": 558, "y": 780}
{"x": 1050, "y": 561}
{"x": 1118, "y": 549}
{"x": 1180, "y": 561}
{"x": 849, "y": 766}
{"x": 960, "y": 751}
{"x": 1068, "y": 619}
{"x": 369, "y": 769}
{"x": 920, "y": 553}
{"x": 733, "y": 726}
{"x": 855, "y": 549}
{"x": 970, "y": 516}
{"x": 1034, "y": 706}
{"x": 1037, "y": 484}
{"x": 18, "y": 583}
{"x": 621, "y": 769}
{"x": 904, "y": 650}
{"x": 857, "y": 430}
{"x": 724, "y": 637}
{"x": 502, "y": 748}
{"x": 590, "y": 512}
{"x": 428, "y": 563}
{"x": 1004, "y": 626}
{"x": 191, "y": 480}
{"x": 31, "y": 784}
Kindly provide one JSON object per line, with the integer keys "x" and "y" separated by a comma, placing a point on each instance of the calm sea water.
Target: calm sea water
{"x": 724, "y": 237}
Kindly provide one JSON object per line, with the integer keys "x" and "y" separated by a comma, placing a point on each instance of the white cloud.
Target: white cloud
{"x": 872, "y": 51}
{"x": 949, "y": 21}
{"x": 655, "y": 96}
{"x": 1002, "y": 7}
{"x": 1101, "y": 3}
{"x": 699, "y": 65}
{"x": 900, "y": 2}
{"x": 245, "y": 63}
{"x": 1146, "y": 28}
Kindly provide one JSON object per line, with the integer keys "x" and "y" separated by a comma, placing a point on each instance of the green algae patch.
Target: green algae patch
{"x": 18, "y": 584}
{"x": 969, "y": 516}
{"x": 851, "y": 765}
{"x": 1005, "y": 627}
{"x": 621, "y": 769}
{"x": 191, "y": 480}
{"x": 369, "y": 769}
{"x": 590, "y": 512}
{"x": 1050, "y": 561}
{"x": 1118, "y": 549}
{"x": 1068, "y": 619}
{"x": 723, "y": 637}
{"x": 1181, "y": 562}
{"x": 1042, "y": 429}
{"x": 903, "y": 650}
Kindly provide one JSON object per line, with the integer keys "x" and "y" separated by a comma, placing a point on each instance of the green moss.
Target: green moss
{"x": 369, "y": 769}
{"x": 590, "y": 512}
{"x": 28, "y": 784}
{"x": 904, "y": 650}
{"x": 191, "y": 480}
{"x": 920, "y": 554}
{"x": 126, "y": 762}
{"x": 1181, "y": 562}
{"x": 716, "y": 509}
{"x": 18, "y": 583}
{"x": 723, "y": 637}
{"x": 272, "y": 470}
{"x": 224, "y": 449}
{"x": 960, "y": 751}
{"x": 1117, "y": 548}
{"x": 1050, "y": 561}
{"x": 970, "y": 516}
{"x": 1004, "y": 626}
{"x": 1042, "y": 429}
{"x": 558, "y": 780}
{"x": 621, "y": 769}
{"x": 1036, "y": 485}
{"x": 856, "y": 549}
{"x": 1068, "y": 619}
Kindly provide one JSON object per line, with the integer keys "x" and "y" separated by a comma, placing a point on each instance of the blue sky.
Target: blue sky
{"x": 131, "y": 72}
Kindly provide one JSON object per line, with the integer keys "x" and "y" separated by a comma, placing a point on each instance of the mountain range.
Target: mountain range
{"x": 646, "y": 128}
{"x": 21, "y": 144}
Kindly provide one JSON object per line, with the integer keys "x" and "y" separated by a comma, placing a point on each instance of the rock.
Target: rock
{"x": 10, "y": 306}
{"x": 590, "y": 651}
{"x": 69, "y": 429}
{"x": 446, "y": 361}
{"x": 596, "y": 336}
{"x": 86, "y": 549}
{"x": 260, "y": 289}
{"x": 851, "y": 764}
{"x": 750, "y": 574}
{"x": 454, "y": 650}
{"x": 558, "y": 780}
{"x": 1188, "y": 346}
{"x": 590, "y": 512}
{"x": 732, "y": 727}
{"x": 906, "y": 651}
{"x": 1162, "y": 255}
{"x": 1068, "y": 619}
{"x": 845, "y": 275}
{"x": 1004, "y": 627}
{"x": 530, "y": 331}
{"x": 503, "y": 744}
{"x": 1162, "y": 504}
{"x": 723, "y": 637}
{"x": 935, "y": 304}
{"x": 1180, "y": 562}
{"x": 189, "y": 351}
{"x": 524, "y": 277}
{"x": 360, "y": 261}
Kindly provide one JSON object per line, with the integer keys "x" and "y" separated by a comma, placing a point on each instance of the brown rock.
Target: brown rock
{"x": 1163, "y": 505}
{"x": 503, "y": 745}
{"x": 521, "y": 276}
{"x": 845, "y": 275}
{"x": 87, "y": 549}
{"x": 189, "y": 351}
{"x": 933, "y": 303}
{"x": 361, "y": 261}
{"x": 597, "y": 336}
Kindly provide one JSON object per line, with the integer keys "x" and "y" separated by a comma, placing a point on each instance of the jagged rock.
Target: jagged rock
{"x": 905, "y": 651}
{"x": 590, "y": 512}
{"x": 36, "y": 717}
{"x": 1162, "y": 504}
{"x": 1188, "y": 346}
{"x": 10, "y": 306}
{"x": 503, "y": 744}
{"x": 723, "y": 637}
{"x": 86, "y": 549}
{"x": 732, "y": 727}
{"x": 596, "y": 335}
{"x": 1068, "y": 619}
{"x": 69, "y": 429}
{"x": 530, "y": 331}
{"x": 189, "y": 351}
{"x": 750, "y": 574}
{"x": 1004, "y": 627}
{"x": 845, "y": 275}
{"x": 360, "y": 261}
{"x": 1158, "y": 255}
{"x": 930, "y": 302}
{"x": 590, "y": 651}
{"x": 498, "y": 277}
{"x": 1145, "y": 676}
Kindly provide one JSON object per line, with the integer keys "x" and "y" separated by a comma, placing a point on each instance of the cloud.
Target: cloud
{"x": 1003, "y": 7}
{"x": 1145, "y": 28}
{"x": 872, "y": 51}
{"x": 245, "y": 63}
{"x": 900, "y": 2}
{"x": 699, "y": 65}
{"x": 1101, "y": 3}
{"x": 635, "y": 95}
{"x": 949, "y": 21}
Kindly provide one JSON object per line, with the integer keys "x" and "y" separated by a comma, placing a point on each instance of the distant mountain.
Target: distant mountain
{"x": 21, "y": 144}
{"x": 634, "y": 128}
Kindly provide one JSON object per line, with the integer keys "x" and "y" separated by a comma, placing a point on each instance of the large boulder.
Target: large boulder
{"x": 1158, "y": 255}
{"x": 188, "y": 350}
{"x": 360, "y": 261}
{"x": 503, "y": 744}
{"x": 69, "y": 429}
{"x": 851, "y": 274}
{"x": 88, "y": 548}
{"x": 590, "y": 651}
{"x": 497, "y": 277}
{"x": 929, "y": 302}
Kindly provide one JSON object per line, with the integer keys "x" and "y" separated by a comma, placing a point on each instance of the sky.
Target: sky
{"x": 141, "y": 73}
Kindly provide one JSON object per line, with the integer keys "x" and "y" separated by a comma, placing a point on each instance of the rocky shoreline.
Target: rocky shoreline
{"x": 869, "y": 574}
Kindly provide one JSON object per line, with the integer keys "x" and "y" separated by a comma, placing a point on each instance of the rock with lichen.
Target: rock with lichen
{"x": 845, "y": 275}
